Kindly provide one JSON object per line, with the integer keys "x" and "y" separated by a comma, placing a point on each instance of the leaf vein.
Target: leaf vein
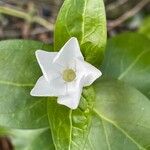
{"x": 16, "y": 84}
{"x": 106, "y": 135}
{"x": 120, "y": 129}
{"x": 71, "y": 128}
{"x": 83, "y": 22}
{"x": 132, "y": 64}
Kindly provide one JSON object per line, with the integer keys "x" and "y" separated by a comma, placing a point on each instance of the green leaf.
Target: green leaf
{"x": 120, "y": 115}
{"x": 84, "y": 19}
{"x": 39, "y": 139}
{"x": 19, "y": 71}
{"x": 145, "y": 27}
{"x": 118, "y": 120}
{"x": 4, "y": 131}
{"x": 127, "y": 58}
{"x": 123, "y": 114}
{"x": 70, "y": 127}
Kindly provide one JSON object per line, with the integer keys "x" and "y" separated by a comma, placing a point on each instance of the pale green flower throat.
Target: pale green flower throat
{"x": 69, "y": 75}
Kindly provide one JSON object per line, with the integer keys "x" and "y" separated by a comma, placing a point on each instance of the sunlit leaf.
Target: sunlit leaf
{"x": 84, "y": 19}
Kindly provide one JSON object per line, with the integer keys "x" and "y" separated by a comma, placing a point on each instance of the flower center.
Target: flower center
{"x": 69, "y": 75}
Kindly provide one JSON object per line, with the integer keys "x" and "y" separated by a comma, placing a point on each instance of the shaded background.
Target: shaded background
{"x": 122, "y": 15}
{"x": 35, "y": 20}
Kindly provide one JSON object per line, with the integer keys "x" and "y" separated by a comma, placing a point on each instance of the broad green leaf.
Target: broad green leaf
{"x": 19, "y": 71}
{"x": 145, "y": 27}
{"x": 127, "y": 58}
{"x": 118, "y": 120}
{"x": 124, "y": 116}
{"x": 84, "y": 19}
{"x": 39, "y": 139}
{"x": 70, "y": 128}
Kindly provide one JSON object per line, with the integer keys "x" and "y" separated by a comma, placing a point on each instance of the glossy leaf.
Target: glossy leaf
{"x": 70, "y": 127}
{"x": 123, "y": 114}
{"x": 145, "y": 27}
{"x": 127, "y": 59}
{"x": 84, "y": 19}
{"x": 118, "y": 120}
{"x": 39, "y": 139}
{"x": 19, "y": 71}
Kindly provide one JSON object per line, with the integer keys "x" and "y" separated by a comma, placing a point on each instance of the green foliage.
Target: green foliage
{"x": 18, "y": 73}
{"x": 39, "y": 139}
{"x": 113, "y": 114}
{"x": 4, "y": 131}
{"x": 70, "y": 128}
{"x": 120, "y": 113}
{"x": 122, "y": 120}
{"x": 119, "y": 117}
{"x": 127, "y": 58}
{"x": 145, "y": 27}
{"x": 85, "y": 20}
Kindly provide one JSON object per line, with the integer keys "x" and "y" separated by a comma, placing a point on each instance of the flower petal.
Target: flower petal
{"x": 45, "y": 88}
{"x": 45, "y": 60}
{"x": 73, "y": 98}
{"x": 68, "y": 52}
{"x": 41, "y": 88}
{"x": 58, "y": 86}
{"x": 90, "y": 72}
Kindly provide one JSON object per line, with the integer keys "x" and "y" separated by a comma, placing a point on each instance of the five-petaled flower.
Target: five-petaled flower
{"x": 65, "y": 73}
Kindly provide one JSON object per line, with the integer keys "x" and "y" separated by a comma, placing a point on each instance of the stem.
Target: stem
{"x": 27, "y": 17}
{"x": 127, "y": 15}
{"x": 43, "y": 22}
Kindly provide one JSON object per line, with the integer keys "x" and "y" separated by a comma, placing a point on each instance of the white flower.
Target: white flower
{"x": 65, "y": 73}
